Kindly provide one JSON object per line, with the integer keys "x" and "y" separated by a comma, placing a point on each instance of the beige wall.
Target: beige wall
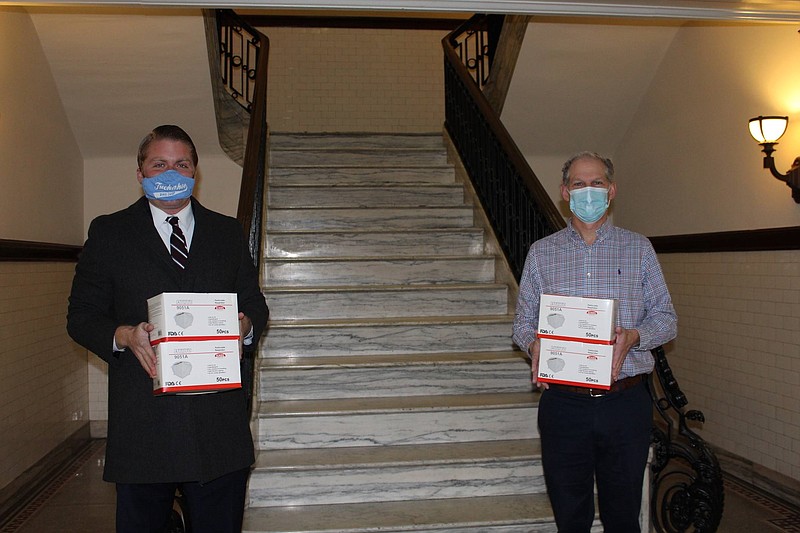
{"x": 687, "y": 163}
{"x": 329, "y": 79}
{"x": 40, "y": 163}
{"x": 737, "y": 355}
{"x": 44, "y": 398}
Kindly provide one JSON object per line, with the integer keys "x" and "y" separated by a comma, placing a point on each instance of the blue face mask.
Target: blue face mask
{"x": 589, "y": 203}
{"x": 169, "y": 185}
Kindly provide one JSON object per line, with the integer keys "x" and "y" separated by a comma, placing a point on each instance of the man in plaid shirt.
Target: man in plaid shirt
{"x": 590, "y": 435}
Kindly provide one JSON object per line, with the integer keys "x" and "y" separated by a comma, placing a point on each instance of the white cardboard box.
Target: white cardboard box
{"x": 197, "y": 366}
{"x": 570, "y": 317}
{"x": 584, "y": 364}
{"x": 193, "y": 316}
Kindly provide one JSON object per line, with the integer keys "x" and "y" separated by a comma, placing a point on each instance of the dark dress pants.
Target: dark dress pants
{"x": 604, "y": 439}
{"x": 213, "y": 507}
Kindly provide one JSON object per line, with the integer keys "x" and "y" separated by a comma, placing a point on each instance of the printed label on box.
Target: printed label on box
{"x": 193, "y": 316}
{"x": 584, "y": 364}
{"x": 196, "y": 366}
{"x": 584, "y": 319}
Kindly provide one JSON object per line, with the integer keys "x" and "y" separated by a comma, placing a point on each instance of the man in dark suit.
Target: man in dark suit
{"x": 157, "y": 444}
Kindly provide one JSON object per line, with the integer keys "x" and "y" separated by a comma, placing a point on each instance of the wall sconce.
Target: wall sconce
{"x": 766, "y": 131}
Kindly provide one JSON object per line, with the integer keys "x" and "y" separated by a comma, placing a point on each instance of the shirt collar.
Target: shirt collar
{"x": 602, "y": 232}
{"x": 185, "y": 215}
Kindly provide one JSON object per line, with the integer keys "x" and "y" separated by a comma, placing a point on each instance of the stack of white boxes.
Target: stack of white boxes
{"x": 576, "y": 337}
{"x": 196, "y": 340}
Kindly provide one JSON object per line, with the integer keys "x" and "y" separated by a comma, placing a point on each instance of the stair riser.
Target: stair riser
{"x": 419, "y": 482}
{"x": 321, "y": 141}
{"x": 300, "y": 245}
{"x": 412, "y": 380}
{"x": 365, "y": 196}
{"x": 358, "y": 219}
{"x": 287, "y": 341}
{"x": 356, "y": 176}
{"x": 357, "y": 157}
{"x": 413, "y": 427}
{"x": 280, "y": 273}
{"x": 324, "y": 304}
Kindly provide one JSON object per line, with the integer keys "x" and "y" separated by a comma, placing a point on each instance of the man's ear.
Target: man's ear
{"x": 565, "y": 193}
{"x": 612, "y": 191}
{"x": 139, "y": 175}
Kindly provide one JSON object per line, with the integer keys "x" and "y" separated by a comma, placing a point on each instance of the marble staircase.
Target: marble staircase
{"x": 390, "y": 395}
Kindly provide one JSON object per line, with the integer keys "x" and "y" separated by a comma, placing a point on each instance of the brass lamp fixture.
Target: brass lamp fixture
{"x": 766, "y": 130}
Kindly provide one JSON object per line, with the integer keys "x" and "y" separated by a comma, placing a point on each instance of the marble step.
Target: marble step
{"x": 520, "y": 513}
{"x": 383, "y": 141}
{"x": 388, "y": 300}
{"x": 367, "y": 271}
{"x": 340, "y": 423}
{"x": 351, "y": 157}
{"x": 379, "y": 336}
{"x": 382, "y": 196}
{"x": 407, "y": 218}
{"x": 451, "y": 241}
{"x": 361, "y": 176}
{"x": 395, "y": 473}
{"x": 306, "y": 378}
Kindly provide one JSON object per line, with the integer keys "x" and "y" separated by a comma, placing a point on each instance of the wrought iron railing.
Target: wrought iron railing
{"x": 516, "y": 204}
{"x": 687, "y": 491}
{"x": 240, "y": 46}
{"x": 244, "y": 61}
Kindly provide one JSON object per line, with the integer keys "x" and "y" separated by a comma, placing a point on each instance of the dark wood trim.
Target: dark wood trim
{"x": 380, "y": 23}
{"x": 730, "y": 241}
{"x": 28, "y": 251}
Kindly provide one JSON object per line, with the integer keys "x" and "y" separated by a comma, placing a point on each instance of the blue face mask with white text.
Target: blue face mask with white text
{"x": 169, "y": 185}
{"x": 589, "y": 203}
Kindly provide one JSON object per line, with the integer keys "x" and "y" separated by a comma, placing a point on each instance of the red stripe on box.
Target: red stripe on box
{"x": 573, "y": 339}
{"x": 575, "y": 383}
{"x": 197, "y": 338}
{"x": 199, "y": 388}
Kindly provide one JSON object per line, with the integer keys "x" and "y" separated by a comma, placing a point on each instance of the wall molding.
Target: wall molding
{"x": 30, "y": 251}
{"x": 770, "y": 239}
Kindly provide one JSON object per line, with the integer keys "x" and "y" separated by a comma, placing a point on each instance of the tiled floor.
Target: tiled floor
{"x": 79, "y": 501}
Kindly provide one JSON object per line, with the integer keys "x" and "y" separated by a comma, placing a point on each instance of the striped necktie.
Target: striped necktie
{"x": 177, "y": 244}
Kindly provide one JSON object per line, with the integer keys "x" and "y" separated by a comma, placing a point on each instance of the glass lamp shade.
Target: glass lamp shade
{"x": 768, "y": 129}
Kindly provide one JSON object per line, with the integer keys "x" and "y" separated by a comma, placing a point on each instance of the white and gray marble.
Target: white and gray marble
{"x": 389, "y": 483}
{"x": 521, "y": 513}
{"x": 348, "y": 157}
{"x": 332, "y": 141}
{"x": 369, "y": 197}
{"x": 387, "y": 372}
{"x": 361, "y": 176}
{"x": 380, "y": 376}
{"x": 386, "y": 336}
{"x": 449, "y": 241}
{"x": 304, "y": 303}
{"x": 390, "y": 421}
{"x": 311, "y": 272}
{"x": 388, "y": 218}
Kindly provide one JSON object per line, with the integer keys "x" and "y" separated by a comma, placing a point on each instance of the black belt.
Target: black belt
{"x": 617, "y": 386}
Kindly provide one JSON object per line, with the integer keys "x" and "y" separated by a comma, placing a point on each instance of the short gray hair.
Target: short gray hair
{"x": 587, "y": 155}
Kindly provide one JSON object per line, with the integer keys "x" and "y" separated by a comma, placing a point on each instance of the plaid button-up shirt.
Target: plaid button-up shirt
{"x": 620, "y": 264}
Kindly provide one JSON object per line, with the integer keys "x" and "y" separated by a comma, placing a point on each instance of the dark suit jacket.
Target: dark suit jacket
{"x": 153, "y": 439}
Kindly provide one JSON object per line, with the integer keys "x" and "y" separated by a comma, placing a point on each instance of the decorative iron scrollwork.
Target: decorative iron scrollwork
{"x": 686, "y": 488}
{"x": 239, "y": 48}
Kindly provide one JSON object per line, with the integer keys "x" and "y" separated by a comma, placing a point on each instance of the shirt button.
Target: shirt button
{"x": 588, "y": 274}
